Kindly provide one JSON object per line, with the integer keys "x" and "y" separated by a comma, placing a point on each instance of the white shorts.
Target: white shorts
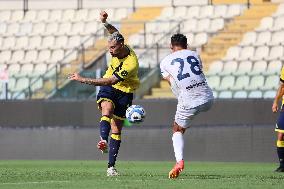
{"x": 184, "y": 115}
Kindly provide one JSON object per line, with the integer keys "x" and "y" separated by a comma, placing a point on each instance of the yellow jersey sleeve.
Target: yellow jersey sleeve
{"x": 282, "y": 75}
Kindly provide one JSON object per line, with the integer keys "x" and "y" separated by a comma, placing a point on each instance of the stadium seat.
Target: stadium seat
{"x": 225, "y": 94}
{"x": 5, "y": 16}
{"x": 193, "y": 12}
{"x": 93, "y": 15}
{"x": 265, "y": 24}
{"x": 240, "y": 94}
{"x": 43, "y": 56}
{"x": 233, "y": 10}
{"x": 226, "y": 83}
{"x": 30, "y": 56}
{"x": 271, "y": 83}
{"x": 255, "y": 94}
{"x": 17, "y": 57}
{"x": 206, "y": 11}
{"x": 263, "y": 38}
{"x": 80, "y": 15}
{"x": 37, "y": 83}
{"x": 55, "y": 16}
{"x": 229, "y": 68}
{"x": 248, "y": 39}
{"x": 256, "y": 83}
{"x": 47, "y": 42}
{"x": 202, "y": 25}
{"x": 12, "y": 29}
{"x": 11, "y": 83}
{"x": 73, "y": 42}
{"x": 241, "y": 82}
{"x": 244, "y": 68}
{"x": 64, "y": 28}
{"x": 3, "y": 28}
{"x": 34, "y": 43}
{"x": 276, "y": 52}
{"x": 259, "y": 68}
{"x": 215, "y": 68}
{"x": 246, "y": 53}
{"x": 189, "y": 25}
{"x": 273, "y": 67}
{"x": 269, "y": 94}
{"x": 5, "y": 56}
{"x": 51, "y": 28}
{"x": 38, "y": 29}
{"x": 30, "y": 16}
{"x": 220, "y": 11}
{"x": 232, "y": 53}
{"x": 261, "y": 53}
{"x": 213, "y": 81}
{"x": 280, "y": 10}
{"x": 200, "y": 39}
{"x": 68, "y": 15}
{"x": 27, "y": 69}
{"x": 180, "y": 12}
{"x": 42, "y": 15}
{"x": 56, "y": 56}
{"x": 216, "y": 25}
{"x": 21, "y": 43}
{"x": 90, "y": 27}
{"x": 167, "y": 12}
{"x": 277, "y": 38}
{"x": 14, "y": 69}
{"x": 16, "y": 16}
{"x": 39, "y": 69}
{"x": 77, "y": 28}
{"x": 21, "y": 84}
{"x": 60, "y": 42}
{"x": 8, "y": 43}
{"x": 278, "y": 24}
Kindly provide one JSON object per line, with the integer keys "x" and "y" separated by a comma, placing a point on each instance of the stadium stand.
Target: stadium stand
{"x": 250, "y": 66}
{"x": 241, "y": 47}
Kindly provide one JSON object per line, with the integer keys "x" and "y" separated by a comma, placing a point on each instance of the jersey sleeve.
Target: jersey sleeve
{"x": 282, "y": 75}
{"x": 164, "y": 72}
{"x": 127, "y": 69}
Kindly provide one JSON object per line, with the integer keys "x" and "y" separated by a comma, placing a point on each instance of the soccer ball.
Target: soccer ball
{"x": 135, "y": 114}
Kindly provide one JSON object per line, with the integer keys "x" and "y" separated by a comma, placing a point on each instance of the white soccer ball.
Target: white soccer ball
{"x": 135, "y": 114}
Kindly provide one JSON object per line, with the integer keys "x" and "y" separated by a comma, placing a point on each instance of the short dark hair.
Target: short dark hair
{"x": 179, "y": 40}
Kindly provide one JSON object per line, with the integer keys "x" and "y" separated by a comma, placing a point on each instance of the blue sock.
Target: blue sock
{"x": 105, "y": 127}
{"x": 114, "y": 145}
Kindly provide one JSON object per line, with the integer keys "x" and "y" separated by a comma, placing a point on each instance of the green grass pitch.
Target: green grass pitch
{"x": 92, "y": 174}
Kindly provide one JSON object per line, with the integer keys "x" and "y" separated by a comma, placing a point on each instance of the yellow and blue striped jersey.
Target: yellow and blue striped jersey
{"x": 126, "y": 70}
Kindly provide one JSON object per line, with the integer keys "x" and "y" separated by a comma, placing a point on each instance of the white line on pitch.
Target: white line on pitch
{"x": 44, "y": 182}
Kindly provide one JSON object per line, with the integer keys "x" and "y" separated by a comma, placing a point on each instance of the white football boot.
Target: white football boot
{"x": 112, "y": 172}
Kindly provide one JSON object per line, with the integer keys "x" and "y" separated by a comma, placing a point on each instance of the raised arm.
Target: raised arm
{"x": 110, "y": 28}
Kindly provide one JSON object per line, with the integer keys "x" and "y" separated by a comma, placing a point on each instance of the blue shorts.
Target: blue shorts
{"x": 280, "y": 123}
{"x": 120, "y": 100}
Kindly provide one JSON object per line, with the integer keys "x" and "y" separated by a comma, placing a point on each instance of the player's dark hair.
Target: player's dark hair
{"x": 179, "y": 40}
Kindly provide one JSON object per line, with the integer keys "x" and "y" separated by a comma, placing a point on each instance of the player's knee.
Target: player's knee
{"x": 177, "y": 128}
{"x": 107, "y": 108}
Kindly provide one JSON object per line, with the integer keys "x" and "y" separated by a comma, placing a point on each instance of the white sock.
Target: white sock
{"x": 178, "y": 145}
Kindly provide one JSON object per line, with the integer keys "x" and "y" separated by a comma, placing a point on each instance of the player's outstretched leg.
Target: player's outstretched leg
{"x": 104, "y": 132}
{"x": 114, "y": 145}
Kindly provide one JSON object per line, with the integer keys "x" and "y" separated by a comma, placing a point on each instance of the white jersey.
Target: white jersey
{"x": 188, "y": 82}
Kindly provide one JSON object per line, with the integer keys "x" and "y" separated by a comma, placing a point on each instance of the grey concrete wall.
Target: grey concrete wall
{"x": 202, "y": 143}
{"x": 233, "y": 130}
{"x": 85, "y": 113}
